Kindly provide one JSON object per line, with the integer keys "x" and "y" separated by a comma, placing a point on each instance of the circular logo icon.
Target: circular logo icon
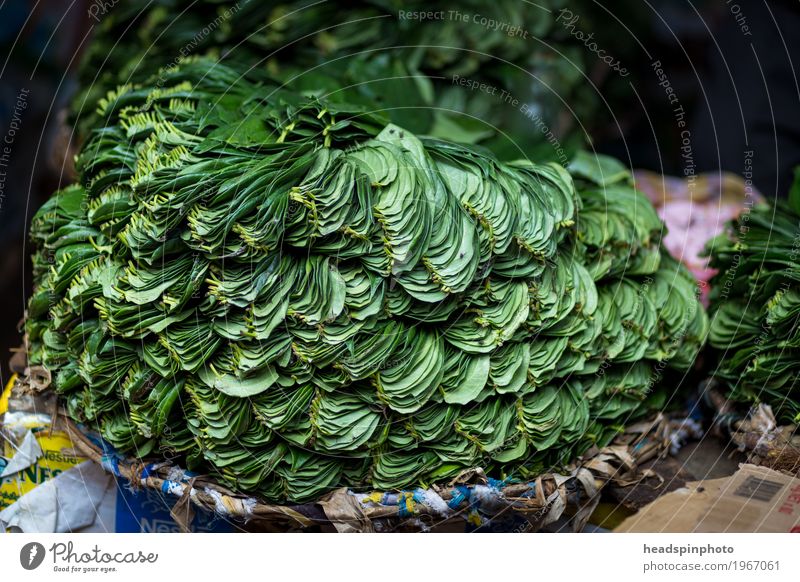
{"x": 31, "y": 555}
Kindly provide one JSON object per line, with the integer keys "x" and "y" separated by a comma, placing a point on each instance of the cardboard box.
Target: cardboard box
{"x": 754, "y": 499}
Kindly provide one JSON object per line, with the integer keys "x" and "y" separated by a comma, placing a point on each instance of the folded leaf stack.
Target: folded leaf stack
{"x": 755, "y": 303}
{"x": 295, "y": 295}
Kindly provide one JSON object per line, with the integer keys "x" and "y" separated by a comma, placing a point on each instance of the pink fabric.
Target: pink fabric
{"x": 694, "y": 213}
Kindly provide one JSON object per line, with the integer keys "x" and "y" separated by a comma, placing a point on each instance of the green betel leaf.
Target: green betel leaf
{"x": 232, "y": 385}
{"x": 599, "y": 169}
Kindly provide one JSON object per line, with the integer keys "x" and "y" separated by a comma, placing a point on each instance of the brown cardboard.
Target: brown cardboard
{"x": 754, "y": 499}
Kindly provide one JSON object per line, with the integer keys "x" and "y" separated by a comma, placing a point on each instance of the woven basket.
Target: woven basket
{"x": 472, "y": 500}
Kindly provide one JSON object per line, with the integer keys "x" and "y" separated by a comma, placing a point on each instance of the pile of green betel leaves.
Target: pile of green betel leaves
{"x": 296, "y": 295}
{"x": 755, "y": 306}
{"x": 458, "y": 71}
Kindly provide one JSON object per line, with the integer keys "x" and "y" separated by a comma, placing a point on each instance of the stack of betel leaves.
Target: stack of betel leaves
{"x": 295, "y": 295}
{"x": 505, "y": 73}
{"x": 755, "y": 306}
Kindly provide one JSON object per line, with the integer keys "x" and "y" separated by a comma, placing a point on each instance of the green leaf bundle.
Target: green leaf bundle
{"x": 295, "y": 295}
{"x": 755, "y": 303}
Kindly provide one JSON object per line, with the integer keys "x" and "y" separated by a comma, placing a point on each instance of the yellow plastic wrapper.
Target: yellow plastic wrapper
{"x": 6, "y": 393}
{"x": 42, "y": 451}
